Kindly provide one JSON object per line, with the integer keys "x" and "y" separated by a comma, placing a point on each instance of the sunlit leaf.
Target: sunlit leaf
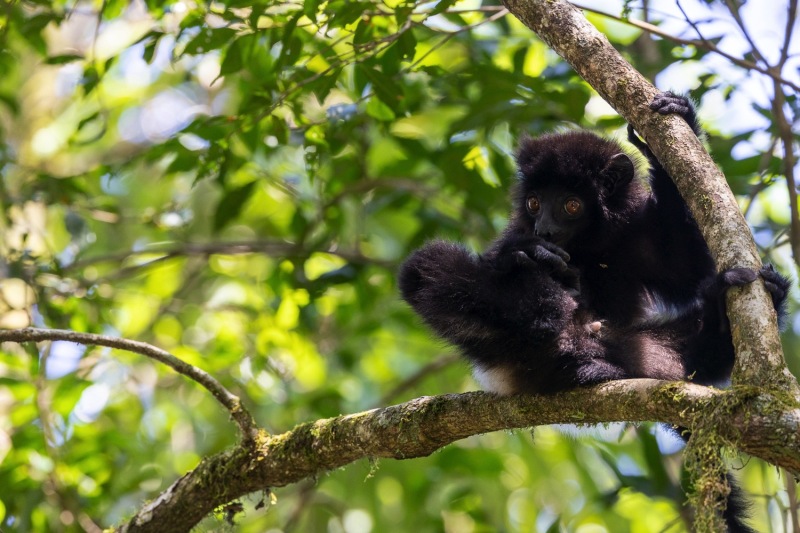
{"x": 231, "y": 205}
{"x": 63, "y": 59}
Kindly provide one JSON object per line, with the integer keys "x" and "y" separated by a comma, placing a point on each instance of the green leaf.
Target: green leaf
{"x": 311, "y": 8}
{"x": 90, "y": 129}
{"x": 364, "y": 33}
{"x": 32, "y": 30}
{"x": 231, "y": 205}
{"x": 210, "y": 128}
{"x": 443, "y": 6}
{"x": 10, "y": 102}
{"x": 379, "y": 110}
{"x": 152, "y": 39}
{"x": 208, "y": 39}
{"x": 91, "y": 78}
{"x": 384, "y": 87}
{"x": 256, "y": 12}
{"x": 342, "y": 13}
{"x": 113, "y": 8}
{"x": 407, "y": 45}
{"x": 232, "y": 61}
{"x": 63, "y": 59}
{"x": 184, "y": 161}
{"x": 323, "y": 86}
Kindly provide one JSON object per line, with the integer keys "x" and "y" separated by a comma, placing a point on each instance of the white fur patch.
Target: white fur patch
{"x": 657, "y": 311}
{"x": 496, "y": 379}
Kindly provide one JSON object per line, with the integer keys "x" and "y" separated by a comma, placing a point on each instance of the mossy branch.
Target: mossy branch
{"x": 420, "y": 427}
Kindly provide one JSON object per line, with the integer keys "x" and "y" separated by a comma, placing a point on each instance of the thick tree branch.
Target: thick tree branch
{"x": 755, "y": 334}
{"x": 228, "y": 400}
{"x": 420, "y": 427}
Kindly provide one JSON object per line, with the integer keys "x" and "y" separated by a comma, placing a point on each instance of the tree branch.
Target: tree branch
{"x": 272, "y": 248}
{"x": 755, "y": 333}
{"x": 783, "y": 124}
{"x": 700, "y": 43}
{"x": 228, "y": 400}
{"x": 421, "y": 426}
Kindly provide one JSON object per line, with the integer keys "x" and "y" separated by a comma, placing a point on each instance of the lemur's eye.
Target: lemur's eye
{"x": 572, "y": 206}
{"x": 533, "y": 204}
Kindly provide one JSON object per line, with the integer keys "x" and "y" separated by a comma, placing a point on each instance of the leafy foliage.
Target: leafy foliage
{"x": 236, "y": 182}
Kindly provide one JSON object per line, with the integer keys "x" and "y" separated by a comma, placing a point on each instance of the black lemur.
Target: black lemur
{"x": 599, "y": 275}
{"x": 638, "y": 267}
{"x": 516, "y": 314}
{"x": 640, "y": 255}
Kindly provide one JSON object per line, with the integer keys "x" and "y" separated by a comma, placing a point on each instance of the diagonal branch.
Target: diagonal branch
{"x": 228, "y": 400}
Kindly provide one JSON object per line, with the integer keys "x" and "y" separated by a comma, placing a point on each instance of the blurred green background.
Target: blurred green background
{"x": 237, "y": 183}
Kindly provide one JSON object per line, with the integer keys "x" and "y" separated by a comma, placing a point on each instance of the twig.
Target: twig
{"x": 228, "y": 400}
{"x": 791, "y": 491}
{"x": 787, "y": 136}
{"x": 356, "y": 57}
{"x": 273, "y": 248}
{"x": 497, "y": 16}
{"x": 693, "y": 25}
{"x": 734, "y": 11}
{"x": 791, "y": 16}
{"x": 763, "y": 164}
{"x": 787, "y": 139}
{"x": 782, "y": 123}
{"x": 707, "y": 45}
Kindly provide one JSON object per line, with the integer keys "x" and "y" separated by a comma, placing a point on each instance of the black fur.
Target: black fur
{"x": 513, "y": 312}
{"x": 635, "y": 238}
{"x": 516, "y": 313}
{"x": 599, "y": 275}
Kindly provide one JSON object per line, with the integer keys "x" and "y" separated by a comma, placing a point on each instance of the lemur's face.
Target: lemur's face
{"x": 558, "y": 215}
